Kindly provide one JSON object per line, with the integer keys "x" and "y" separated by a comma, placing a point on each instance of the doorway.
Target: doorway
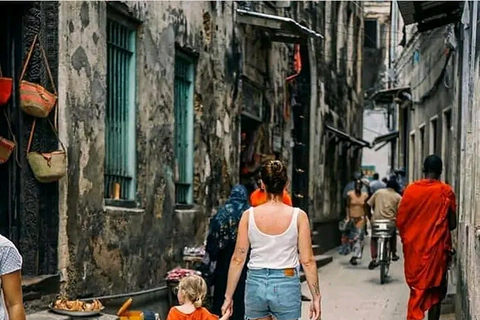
{"x": 300, "y": 89}
{"x": 28, "y": 209}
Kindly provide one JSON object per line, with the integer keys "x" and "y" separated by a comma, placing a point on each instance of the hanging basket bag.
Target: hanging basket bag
{"x": 7, "y": 146}
{"x": 6, "y": 85}
{"x": 47, "y": 166}
{"x": 35, "y": 100}
{"x": 6, "y": 149}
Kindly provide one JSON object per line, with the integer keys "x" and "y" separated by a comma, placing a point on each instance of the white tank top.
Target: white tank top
{"x": 273, "y": 251}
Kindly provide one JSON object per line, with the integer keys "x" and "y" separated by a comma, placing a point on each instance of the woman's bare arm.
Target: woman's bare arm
{"x": 307, "y": 258}
{"x": 239, "y": 256}
{"x": 12, "y": 290}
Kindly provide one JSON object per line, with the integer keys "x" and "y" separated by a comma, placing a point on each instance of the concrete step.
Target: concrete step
{"x": 321, "y": 260}
{"x": 316, "y": 249}
{"x": 448, "y": 304}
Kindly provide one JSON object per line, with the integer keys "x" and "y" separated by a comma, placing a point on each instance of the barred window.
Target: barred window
{"x": 120, "y": 136}
{"x": 184, "y": 105}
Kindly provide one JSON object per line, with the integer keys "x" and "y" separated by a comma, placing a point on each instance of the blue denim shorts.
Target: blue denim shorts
{"x": 275, "y": 293}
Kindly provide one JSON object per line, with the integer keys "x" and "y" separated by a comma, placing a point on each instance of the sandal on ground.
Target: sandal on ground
{"x": 373, "y": 264}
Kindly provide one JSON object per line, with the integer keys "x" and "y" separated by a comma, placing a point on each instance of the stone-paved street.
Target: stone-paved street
{"x": 355, "y": 293}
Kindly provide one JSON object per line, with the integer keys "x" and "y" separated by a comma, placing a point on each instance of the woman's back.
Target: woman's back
{"x": 273, "y": 236}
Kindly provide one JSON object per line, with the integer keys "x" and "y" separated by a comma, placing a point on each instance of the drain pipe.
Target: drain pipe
{"x": 473, "y": 111}
{"x": 464, "y": 102}
{"x": 128, "y": 294}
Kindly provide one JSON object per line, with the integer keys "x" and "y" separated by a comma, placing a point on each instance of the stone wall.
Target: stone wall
{"x": 105, "y": 249}
{"x": 468, "y": 232}
{"x": 338, "y": 101}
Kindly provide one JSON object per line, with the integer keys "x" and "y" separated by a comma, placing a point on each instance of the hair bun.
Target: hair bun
{"x": 274, "y": 176}
{"x": 277, "y": 167}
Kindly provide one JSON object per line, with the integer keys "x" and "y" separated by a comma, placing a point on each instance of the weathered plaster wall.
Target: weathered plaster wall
{"x": 110, "y": 250}
{"x": 106, "y": 249}
{"x": 468, "y": 253}
{"x": 120, "y": 250}
{"x": 430, "y": 100}
{"x": 339, "y": 103}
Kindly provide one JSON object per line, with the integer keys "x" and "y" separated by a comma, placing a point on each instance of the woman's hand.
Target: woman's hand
{"x": 228, "y": 312}
{"x": 315, "y": 309}
{"x": 227, "y": 308}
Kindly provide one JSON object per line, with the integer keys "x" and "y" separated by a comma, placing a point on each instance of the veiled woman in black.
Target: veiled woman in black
{"x": 221, "y": 241}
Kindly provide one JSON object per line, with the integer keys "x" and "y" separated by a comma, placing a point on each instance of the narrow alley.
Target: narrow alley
{"x": 354, "y": 292}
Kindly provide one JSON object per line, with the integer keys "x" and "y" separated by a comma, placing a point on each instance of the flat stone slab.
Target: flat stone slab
{"x": 48, "y": 315}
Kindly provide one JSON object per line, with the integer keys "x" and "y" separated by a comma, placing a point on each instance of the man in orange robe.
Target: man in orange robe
{"x": 426, "y": 215}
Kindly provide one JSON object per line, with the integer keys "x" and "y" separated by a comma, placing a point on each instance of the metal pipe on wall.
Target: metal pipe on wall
{"x": 464, "y": 103}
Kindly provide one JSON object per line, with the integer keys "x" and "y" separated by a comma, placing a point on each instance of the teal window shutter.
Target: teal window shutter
{"x": 120, "y": 140}
{"x": 183, "y": 105}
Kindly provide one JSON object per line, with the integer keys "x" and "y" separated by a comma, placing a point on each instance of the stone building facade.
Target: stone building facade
{"x": 377, "y": 116}
{"x": 437, "y": 74}
{"x": 143, "y": 179}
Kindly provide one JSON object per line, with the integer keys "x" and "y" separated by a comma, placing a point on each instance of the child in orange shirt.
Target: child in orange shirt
{"x": 191, "y": 294}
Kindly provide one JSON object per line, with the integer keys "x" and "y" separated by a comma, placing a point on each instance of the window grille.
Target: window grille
{"x": 183, "y": 103}
{"x": 120, "y": 149}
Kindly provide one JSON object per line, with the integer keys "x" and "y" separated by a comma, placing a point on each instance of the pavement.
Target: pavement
{"x": 355, "y": 293}
{"x": 349, "y": 292}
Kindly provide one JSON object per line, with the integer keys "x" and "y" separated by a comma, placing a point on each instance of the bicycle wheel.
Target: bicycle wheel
{"x": 381, "y": 258}
{"x": 383, "y": 272}
{"x": 388, "y": 256}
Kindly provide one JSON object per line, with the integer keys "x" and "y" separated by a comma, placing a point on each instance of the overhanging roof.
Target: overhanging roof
{"x": 346, "y": 137}
{"x": 389, "y": 95}
{"x": 385, "y": 138}
{"x": 282, "y": 29}
{"x": 430, "y": 14}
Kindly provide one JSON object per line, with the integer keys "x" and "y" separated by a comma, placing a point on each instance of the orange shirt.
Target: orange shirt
{"x": 259, "y": 197}
{"x": 199, "y": 314}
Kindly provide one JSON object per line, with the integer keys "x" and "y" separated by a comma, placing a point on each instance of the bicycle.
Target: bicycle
{"x": 383, "y": 230}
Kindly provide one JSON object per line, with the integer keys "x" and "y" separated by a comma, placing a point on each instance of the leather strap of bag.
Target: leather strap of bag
{"x": 9, "y": 124}
{"x": 13, "y": 136}
{"x": 45, "y": 60}
{"x": 30, "y": 139}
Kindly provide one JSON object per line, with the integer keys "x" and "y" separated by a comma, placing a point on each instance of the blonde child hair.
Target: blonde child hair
{"x": 194, "y": 289}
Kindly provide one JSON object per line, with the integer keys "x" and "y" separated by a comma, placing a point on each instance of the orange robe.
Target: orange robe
{"x": 199, "y": 314}
{"x": 259, "y": 197}
{"x": 422, "y": 221}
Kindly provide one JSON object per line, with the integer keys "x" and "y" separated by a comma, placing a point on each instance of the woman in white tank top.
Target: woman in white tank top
{"x": 278, "y": 237}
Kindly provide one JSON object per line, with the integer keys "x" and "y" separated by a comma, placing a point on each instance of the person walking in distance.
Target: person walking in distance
{"x": 384, "y": 203}
{"x": 279, "y": 237}
{"x": 259, "y": 196}
{"x": 376, "y": 184}
{"x": 426, "y": 216}
{"x": 356, "y": 212}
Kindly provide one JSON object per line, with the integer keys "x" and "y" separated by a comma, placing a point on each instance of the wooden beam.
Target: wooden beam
{"x": 260, "y": 22}
{"x": 288, "y": 39}
{"x": 440, "y": 8}
{"x": 422, "y": 27}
